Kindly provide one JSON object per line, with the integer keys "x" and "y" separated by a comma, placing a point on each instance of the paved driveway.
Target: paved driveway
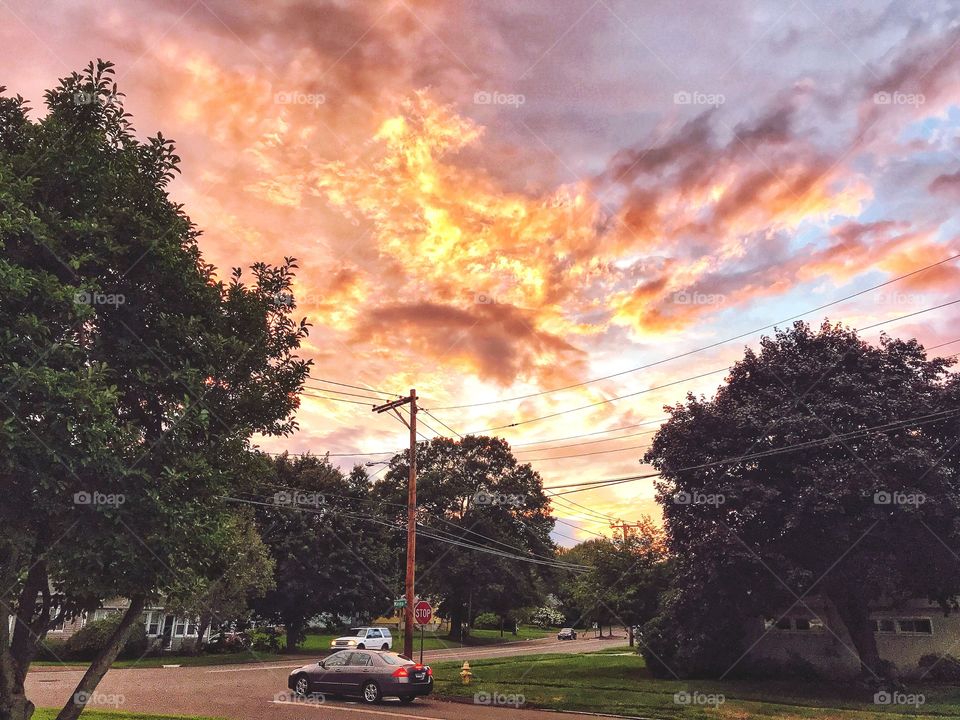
{"x": 259, "y": 691}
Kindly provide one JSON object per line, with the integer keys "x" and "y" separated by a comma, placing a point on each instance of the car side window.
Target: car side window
{"x": 374, "y": 634}
{"x": 359, "y": 660}
{"x": 336, "y": 660}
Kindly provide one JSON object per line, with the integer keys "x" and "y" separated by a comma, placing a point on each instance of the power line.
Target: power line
{"x": 695, "y": 377}
{"x": 819, "y": 442}
{"x": 595, "y": 452}
{"x": 355, "y": 387}
{"x": 343, "y": 400}
{"x": 477, "y": 548}
{"x": 595, "y": 432}
{"x": 442, "y": 423}
{"x": 343, "y": 392}
{"x": 706, "y": 347}
{"x": 599, "y": 402}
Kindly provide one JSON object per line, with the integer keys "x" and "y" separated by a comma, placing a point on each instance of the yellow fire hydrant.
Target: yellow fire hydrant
{"x": 465, "y": 673}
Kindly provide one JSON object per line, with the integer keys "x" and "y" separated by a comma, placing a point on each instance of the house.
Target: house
{"x": 810, "y": 632}
{"x": 168, "y": 630}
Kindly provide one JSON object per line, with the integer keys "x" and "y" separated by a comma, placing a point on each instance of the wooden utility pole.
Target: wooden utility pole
{"x": 625, "y": 528}
{"x": 411, "y": 514}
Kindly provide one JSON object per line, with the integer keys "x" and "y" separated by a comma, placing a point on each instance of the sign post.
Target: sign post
{"x": 423, "y": 613}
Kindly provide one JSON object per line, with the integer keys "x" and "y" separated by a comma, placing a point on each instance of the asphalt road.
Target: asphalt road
{"x": 259, "y": 691}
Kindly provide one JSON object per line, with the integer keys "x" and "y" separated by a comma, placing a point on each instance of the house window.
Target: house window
{"x": 180, "y": 627}
{"x": 153, "y": 622}
{"x": 915, "y": 626}
{"x": 885, "y": 626}
{"x": 192, "y": 627}
{"x": 902, "y": 626}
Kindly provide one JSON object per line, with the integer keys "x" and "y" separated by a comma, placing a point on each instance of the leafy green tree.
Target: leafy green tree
{"x": 331, "y": 556}
{"x": 132, "y": 377}
{"x": 473, "y": 491}
{"x": 866, "y": 510}
{"x": 627, "y": 575}
{"x": 244, "y": 571}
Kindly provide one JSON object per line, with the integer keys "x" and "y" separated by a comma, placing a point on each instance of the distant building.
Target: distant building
{"x": 167, "y": 630}
{"x": 904, "y": 635}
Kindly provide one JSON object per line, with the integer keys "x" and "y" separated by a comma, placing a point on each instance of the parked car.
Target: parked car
{"x": 368, "y": 674}
{"x": 567, "y": 634}
{"x": 365, "y": 638}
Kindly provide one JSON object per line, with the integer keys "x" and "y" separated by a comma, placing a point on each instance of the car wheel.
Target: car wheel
{"x": 302, "y": 686}
{"x": 407, "y": 699}
{"x": 371, "y": 693}
{"x": 361, "y": 646}
{"x": 385, "y": 647}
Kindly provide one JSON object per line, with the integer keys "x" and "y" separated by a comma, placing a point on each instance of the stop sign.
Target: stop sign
{"x": 422, "y": 612}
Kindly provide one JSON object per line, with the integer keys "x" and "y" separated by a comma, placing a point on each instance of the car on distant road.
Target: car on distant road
{"x": 567, "y": 634}
{"x": 370, "y": 675}
{"x": 365, "y": 638}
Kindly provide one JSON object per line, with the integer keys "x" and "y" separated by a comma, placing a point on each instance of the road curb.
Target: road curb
{"x": 533, "y": 706}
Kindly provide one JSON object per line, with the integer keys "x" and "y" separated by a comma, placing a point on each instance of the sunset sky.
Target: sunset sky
{"x": 492, "y": 199}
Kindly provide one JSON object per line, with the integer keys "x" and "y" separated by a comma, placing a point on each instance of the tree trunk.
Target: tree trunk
{"x": 293, "y": 635}
{"x": 13, "y": 700}
{"x": 103, "y": 660}
{"x": 202, "y": 626}
{"x": 855, "y": 614}
{"x": 456, "y": 623}
{"x": 30, "y": 624}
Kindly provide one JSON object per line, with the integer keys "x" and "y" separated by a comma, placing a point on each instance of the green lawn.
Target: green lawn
{"x": 617, "y": 681}
{"x": 51, "y": 713}
{"x": 313, "y": 646}
{"x": 435, "y": 641}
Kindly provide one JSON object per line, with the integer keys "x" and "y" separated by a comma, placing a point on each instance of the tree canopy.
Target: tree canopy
{"x": 824, "y": 465}
{"x": 132, "y": 376}
{"x": 474, "y": 492}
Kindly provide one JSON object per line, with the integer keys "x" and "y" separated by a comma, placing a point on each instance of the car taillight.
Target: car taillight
{"x": 429, "y": 671}
{"x": 401, "y": 672}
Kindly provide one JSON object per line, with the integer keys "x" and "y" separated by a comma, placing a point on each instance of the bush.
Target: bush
{"x": 941, "y": 667}
{"x": 52, "y": 650}
{"x": 266, "y": 640}
{"x": 93, "y": 637}
{"x": 487, "y": 621}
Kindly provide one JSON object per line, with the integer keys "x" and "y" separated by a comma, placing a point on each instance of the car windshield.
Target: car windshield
{"x": 359, "y": 632}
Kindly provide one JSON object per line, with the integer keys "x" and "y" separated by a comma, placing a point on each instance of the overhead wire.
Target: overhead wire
{"x": 705, "y": 347}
